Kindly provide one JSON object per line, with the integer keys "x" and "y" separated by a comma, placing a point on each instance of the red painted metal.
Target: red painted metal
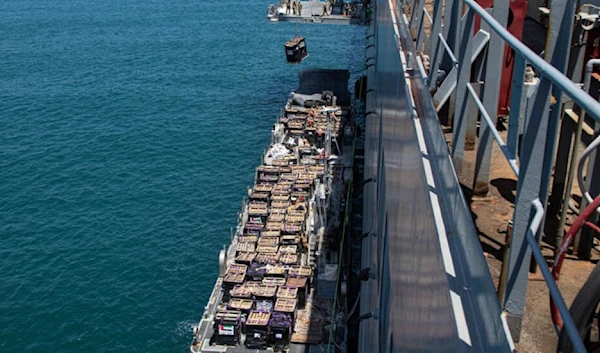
{"x": 592, "y": 48}
{"x": 516, "y": 19}
{"x": 562, "y": 251}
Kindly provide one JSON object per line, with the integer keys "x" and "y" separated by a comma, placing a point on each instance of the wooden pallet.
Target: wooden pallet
{"x": 270, "y": 233}
{"x": 296, "y": 125}
{"x": 285, "y": 305}
{"x": 259, "y": 195}
{"x": 281, "y": 162}
{"x": 245, "y": 247}
{"x": 241, "y": 291}
{"x": 282, "y": 188}
{"x": 269, "y": 241}
{"x": 268, "y": 178}
{"x": 240, "y": 304}
{"x": 267, "y": 258}
{"x": 283, "y": 196}
{"x": 253, "y": 227}
{"x": 244, "y": 290}
{"x": 289, "y": 176}
{"x": 229, "y": 315}
{"x": 295, "y": 218}
{"x": 234, "y": 277}
{"x": 239, "y": 268}
{"x": 298, "y": 211}
{"x": 266, "y": 291}
{"x": 274, "y": 226}
{"x": 300, "y": 271}
{"x": 296, "y": 282}
{"x": 267, "y": 169}
{"x": 276, "y": 217}
{"x": 267, "y": 249}
{"x": 245, "y": 257}
{"x": 258, "y": 209}
{"x": 287, "y": 292}
{"x": 292, "y": 228}
{"x": 308, "y": 176}
{"x": 277, "y": 210}
{"x": 263, "y": 187}
{"x": 288, "y": 249}
{"x": 274, "y": 281}
{"x": 275, "y": 270}
{"x": 257, "y": 318}
{"x": 280, "y": 204}
{"x": 248, "y": 239}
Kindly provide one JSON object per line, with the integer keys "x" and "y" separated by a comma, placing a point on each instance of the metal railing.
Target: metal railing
{"x": 453, "y": 47}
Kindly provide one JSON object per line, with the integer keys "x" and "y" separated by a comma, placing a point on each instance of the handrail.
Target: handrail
{"x": 503, "y": 147}
{"x": 536, "y": 163}
{"x": 427, "y": 15}
{"x": 585, "y": 101}
{"x": 448, "y": 50}
{"x": 568, "y": 323}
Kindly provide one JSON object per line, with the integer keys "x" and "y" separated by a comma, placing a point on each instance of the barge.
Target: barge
{"x": 279, "y": 279}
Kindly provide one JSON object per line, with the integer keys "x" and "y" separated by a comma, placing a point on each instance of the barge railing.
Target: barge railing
{"x": 537, "y": 122}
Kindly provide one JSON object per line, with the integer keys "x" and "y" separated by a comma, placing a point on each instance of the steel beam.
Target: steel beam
{"x": 435, "y": 49}
{"x": 459, "y": 122}
{"x": 518, "y": 105}
{"x": 566, "y": 141}
{"x": 491, "y": 94}
{"x": 592, "y": 184}
{"x": 536, "y": 161}
{"x": 472, "y": 117}
{"x": 447, "y": 88}
{"x": 451, "y": 30}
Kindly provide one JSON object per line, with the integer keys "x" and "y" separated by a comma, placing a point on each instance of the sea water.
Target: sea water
{"x": 129, "y": 131}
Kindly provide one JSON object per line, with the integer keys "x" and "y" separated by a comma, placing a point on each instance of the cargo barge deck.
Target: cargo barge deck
{"x": 278, "y": 279}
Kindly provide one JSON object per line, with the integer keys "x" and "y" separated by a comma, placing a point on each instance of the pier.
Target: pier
{"x": 315, "y": 11}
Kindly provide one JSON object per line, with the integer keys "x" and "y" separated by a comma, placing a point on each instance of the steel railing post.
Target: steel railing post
{"x": 562, "y": 15}
{"x": 451, "y": 30}
{"x": 434, "y": 51}
{"x": 514, "y": 118}
{"x": 459, "y": 122}
{"x": 531, "y": 165}
{"x": 420, "y": 28}
{"x": 559, "y": 192}
{"x": 491, "y": 94}
{"x": 414, "y": 18}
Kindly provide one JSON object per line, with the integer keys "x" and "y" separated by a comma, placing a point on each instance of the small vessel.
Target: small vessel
{"x": 273, "y": 12}
{"x": 278, "y": 280}
{"x": 295, "y": 50}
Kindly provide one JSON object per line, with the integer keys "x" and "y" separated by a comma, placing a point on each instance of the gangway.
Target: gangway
{"x": 429, "y": 288}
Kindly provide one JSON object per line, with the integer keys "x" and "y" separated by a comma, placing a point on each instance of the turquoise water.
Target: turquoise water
{"x": 129, "y": 131}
